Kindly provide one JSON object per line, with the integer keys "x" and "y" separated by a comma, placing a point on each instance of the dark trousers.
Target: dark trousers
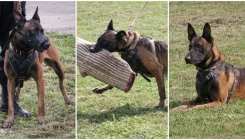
{"x": 3, "y": 78}
{"x": 7, "y": 23}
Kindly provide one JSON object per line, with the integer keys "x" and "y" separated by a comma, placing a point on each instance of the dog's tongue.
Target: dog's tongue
{"x": 44, "y": 51}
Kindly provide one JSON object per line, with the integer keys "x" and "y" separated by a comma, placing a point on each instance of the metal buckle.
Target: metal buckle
{"x": 209, "y": 74}
{"x": 11, "y": 55}
{"x": 131, "y": 54}
{"x": 28, "y": 58}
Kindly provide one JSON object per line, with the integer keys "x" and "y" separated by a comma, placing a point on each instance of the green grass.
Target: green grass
{"x": 227, "y": 23}
{"x": 116, "y": 114}
{"x": 59, "y": 118}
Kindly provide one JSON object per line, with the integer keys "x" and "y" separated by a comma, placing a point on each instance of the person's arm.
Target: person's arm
{"x": 16, "y": 6}
{"x": 20, "y": 6}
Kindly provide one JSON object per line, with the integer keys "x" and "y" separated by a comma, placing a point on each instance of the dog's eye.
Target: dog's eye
{"x": 35, "y": 31}
{"x": 42, "y": 31}
{"x": 199, "y": 46}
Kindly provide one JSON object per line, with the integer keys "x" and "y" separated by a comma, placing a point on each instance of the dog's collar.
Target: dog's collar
{"x": 210, "y": 66}
{"x": 128, "y": 46}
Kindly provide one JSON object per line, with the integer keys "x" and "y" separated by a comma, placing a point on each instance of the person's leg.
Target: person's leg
{"x": 4, "y": 104}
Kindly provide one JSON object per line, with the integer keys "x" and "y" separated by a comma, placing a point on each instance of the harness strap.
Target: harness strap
{"x": 205, "y": 81}
{"x": 230, "y": 91}
{"x": 21, "y": 64}
{"x": 129, "y": 57}
{"x": 212, "y": 74}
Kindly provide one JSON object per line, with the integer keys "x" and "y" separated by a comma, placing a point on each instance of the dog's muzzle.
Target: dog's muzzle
{"x": 39, "y": 42}
{"x": 188, "y": 59}
{"x": 96, "y": 48}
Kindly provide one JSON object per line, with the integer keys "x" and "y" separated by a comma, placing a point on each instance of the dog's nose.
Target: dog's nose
{"x": 188, "y": 59}
{"x": 46, "y": 44}
{"x": 93, "y": 49}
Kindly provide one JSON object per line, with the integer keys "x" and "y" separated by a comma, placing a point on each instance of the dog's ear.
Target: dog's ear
{"x": 191, "y": 32}
{"x": 36, "y": 16}
{"x": 120, "y": 35}
{"x": 110, "y": 26}
{"x": 207, "y": 33}
{"x": 19, "y": 19}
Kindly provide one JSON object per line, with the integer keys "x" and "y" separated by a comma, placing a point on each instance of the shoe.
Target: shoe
{"x": 18, "y": 111}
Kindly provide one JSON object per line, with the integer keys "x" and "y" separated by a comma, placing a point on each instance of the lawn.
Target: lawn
{"x": 227, "y": 21}
{"x": 59, "y": 118}
{"x": 115, "y": 114}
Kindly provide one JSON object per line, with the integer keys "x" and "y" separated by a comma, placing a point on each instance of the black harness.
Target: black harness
{"x": 130, "y": 57}
{"x": 21, "y": 64}
{"x": 205, "y": 78}
{"x": 20, "y": 61}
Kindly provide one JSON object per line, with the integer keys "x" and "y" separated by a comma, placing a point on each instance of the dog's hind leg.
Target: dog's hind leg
{"x": 56, "y": 65}
{"x": 161, "y": 88}
{"x": 101, "y": 90}
{"x": 156, "y": 70}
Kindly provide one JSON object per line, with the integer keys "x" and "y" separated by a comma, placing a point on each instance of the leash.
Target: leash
{"x": 132, "y": 24}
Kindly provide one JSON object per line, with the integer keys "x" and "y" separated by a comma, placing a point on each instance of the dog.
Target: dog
{"x": 144, "y": 55}
{"x": 29, "y": 48}
{"x": 216, "y": 81}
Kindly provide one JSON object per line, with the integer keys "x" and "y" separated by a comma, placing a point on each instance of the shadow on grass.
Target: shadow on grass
{"x": 115, "y": 113}
{"x": 175, "y": 104}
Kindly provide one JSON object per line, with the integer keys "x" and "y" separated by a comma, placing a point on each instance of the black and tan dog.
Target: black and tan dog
{"x": 29, "y": 48}
{"x": 216, "y": 81}
{"x": 144, "y": 55}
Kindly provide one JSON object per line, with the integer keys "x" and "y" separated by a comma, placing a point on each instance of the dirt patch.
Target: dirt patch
{"x": 57, "y": 16}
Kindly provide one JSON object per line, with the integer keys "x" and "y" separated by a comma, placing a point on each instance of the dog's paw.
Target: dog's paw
{"x": 180, "y": 108}
{"x": 40, "y": 120}
{"x": 69, "y": 102}
{"x": 97, "y": 90}
{"x": 159, "y": 106}
{"x": 7, "y": 124}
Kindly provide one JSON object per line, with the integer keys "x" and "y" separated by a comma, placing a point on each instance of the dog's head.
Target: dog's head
{"x": 111, "y": 40}
{"x": 30, "y": 33}
{"x": 200, "y": 46}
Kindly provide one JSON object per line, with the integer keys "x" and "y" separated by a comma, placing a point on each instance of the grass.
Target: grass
{"x": 59, "y": 118}
{"x": 115, "y": 114}
{"x": 227, "y": 23}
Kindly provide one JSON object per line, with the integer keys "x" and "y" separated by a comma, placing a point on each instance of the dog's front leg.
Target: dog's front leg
{"x": 11, "y": 92}
{"x": 40, "y": 88}
{"x": 211, "y": 104}
{"x": 101, "y": 90}
{"x": 187, "y": 104}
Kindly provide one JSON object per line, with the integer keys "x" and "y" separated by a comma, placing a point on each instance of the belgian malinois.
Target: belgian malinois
{"x": 29, "y": 48}
{"x": 216, "y": 81}
{"x": 144, "y": 55}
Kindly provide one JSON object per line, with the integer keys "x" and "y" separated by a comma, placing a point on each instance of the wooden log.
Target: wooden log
{"x": 104, "y": 66}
